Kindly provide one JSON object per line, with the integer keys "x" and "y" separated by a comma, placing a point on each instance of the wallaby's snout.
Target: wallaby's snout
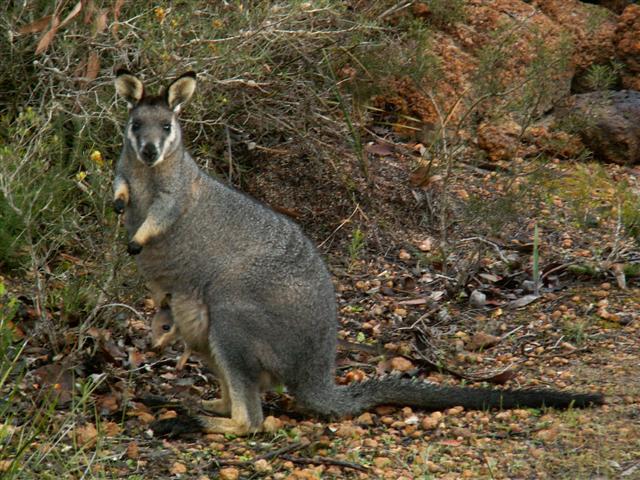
{"x": 149, "y": 153}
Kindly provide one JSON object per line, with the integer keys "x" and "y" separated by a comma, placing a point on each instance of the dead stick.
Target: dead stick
{"x": 267, "y": 456}
{"x": 325, "y": 461}
{"x": 281, "y": 451}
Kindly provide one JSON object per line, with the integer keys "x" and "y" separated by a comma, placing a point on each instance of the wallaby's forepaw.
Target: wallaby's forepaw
{"x": 118, "y": 205}
{"x": 177, "y": 426}
{"x": 134, "y": 248}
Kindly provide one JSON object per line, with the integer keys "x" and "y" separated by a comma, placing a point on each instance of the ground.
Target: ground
{"x": 399, "y": 315}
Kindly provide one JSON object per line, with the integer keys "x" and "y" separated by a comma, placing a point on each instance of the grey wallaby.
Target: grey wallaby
{"x": 249, "y": 292}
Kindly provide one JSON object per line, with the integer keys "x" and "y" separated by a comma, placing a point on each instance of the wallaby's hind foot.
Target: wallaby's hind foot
{"x": 219, "y": 406}
{"x": 246, "y": 417}
{"x": 246, "y": 414}
{"x": 227, "y": 425}
{"x": 185, "y": 424}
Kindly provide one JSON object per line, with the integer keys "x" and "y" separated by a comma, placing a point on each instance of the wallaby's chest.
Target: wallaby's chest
{"x": 144, "y": 188}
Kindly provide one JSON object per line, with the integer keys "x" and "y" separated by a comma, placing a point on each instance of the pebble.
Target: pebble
{"x": 272, "y": 424}
{"x": 365, "y": 419}
{"x": 477, "y": 299}
{"x": 429, "y": 423}
{"x": 262, "y": 466}
{"x": 370, "y": 443}
{"x": 381, "y": 462}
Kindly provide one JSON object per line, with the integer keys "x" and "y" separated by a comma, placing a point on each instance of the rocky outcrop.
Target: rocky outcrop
{"x": 506, "y": 140}
{"x": 507, "y": 63}
{"x": 591, "y": 29}
{"x": 501, "y": 140}
{"x": 627, "y": 43}
{"x": 616, "y": 6}
{"x": 607, "y": 122}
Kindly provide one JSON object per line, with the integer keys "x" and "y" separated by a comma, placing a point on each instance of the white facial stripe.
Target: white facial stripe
{"x": 132, "y": 141}
{"x": 168, "y": 142}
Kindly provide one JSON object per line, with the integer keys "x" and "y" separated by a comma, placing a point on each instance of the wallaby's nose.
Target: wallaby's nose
{"x": 149, "y": 153}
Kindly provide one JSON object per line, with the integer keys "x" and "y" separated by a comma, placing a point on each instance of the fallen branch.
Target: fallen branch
{"x": 325, "y": 461}
{"x": 267, "y": 456}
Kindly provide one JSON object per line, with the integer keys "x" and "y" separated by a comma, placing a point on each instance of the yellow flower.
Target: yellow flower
{"x": 217, "y": 23}
{"x": 160, "y": 14}
{"x": 81, "y": 175}
{"x": 96, "y": 157}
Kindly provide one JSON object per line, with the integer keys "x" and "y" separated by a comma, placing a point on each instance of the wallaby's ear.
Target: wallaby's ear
{"x": 129, "y": 87}
{"x": 180, "y": 91}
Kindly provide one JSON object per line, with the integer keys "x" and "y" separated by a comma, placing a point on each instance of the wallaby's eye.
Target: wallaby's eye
{"x": 135, "y": 125}
{"x": 166, "y": 327}
{"x": 166, "y": 127}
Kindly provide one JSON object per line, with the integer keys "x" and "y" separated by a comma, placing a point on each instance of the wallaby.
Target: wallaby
{"x": 249, "y": 291}
{"x": 164, "y": 332}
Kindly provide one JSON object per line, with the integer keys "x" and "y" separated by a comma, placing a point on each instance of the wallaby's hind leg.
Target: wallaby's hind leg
{"x": 246, "y": 410}
{"x": 222, "y": 405}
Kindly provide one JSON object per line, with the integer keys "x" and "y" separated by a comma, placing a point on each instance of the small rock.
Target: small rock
{"x": 547, "y": 435}
{"x": 145, "y": 418}
{"x": 521, "y": 413}
{"x": 454, "y": 411}
{"x": 426, "y": 245}
{"x": 609, "y": 129}
{"x": 179, "y": 468}
{"x": 229, "y": 473}
{"x": 272, "y": 424}
{"x": 370, "y": 443}
{"x": 515, "y": 428}
{"x": 401, "y": 312}
{"x": 412, "y": 420}
{"x": 346, "y": 430}
{"x": 500, "y": 141}
{"x": 381, "y": 462}
{"x": 503, "y": 415}
{"x": 401, "y": 364}
{"x": 432, "y": 466}
{"x": 430, "y": 423}
{"x": 477, "y": 299}
{"x": 262, "y": 466}
{"x": 365, "y": 419}
{"x": 387, "y": 420}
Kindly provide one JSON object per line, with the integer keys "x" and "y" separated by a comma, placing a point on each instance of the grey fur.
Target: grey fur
{"x": 251, "y": 279}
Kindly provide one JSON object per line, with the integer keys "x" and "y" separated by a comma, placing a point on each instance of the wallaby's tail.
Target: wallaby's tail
{"x": 358, "y": 397}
